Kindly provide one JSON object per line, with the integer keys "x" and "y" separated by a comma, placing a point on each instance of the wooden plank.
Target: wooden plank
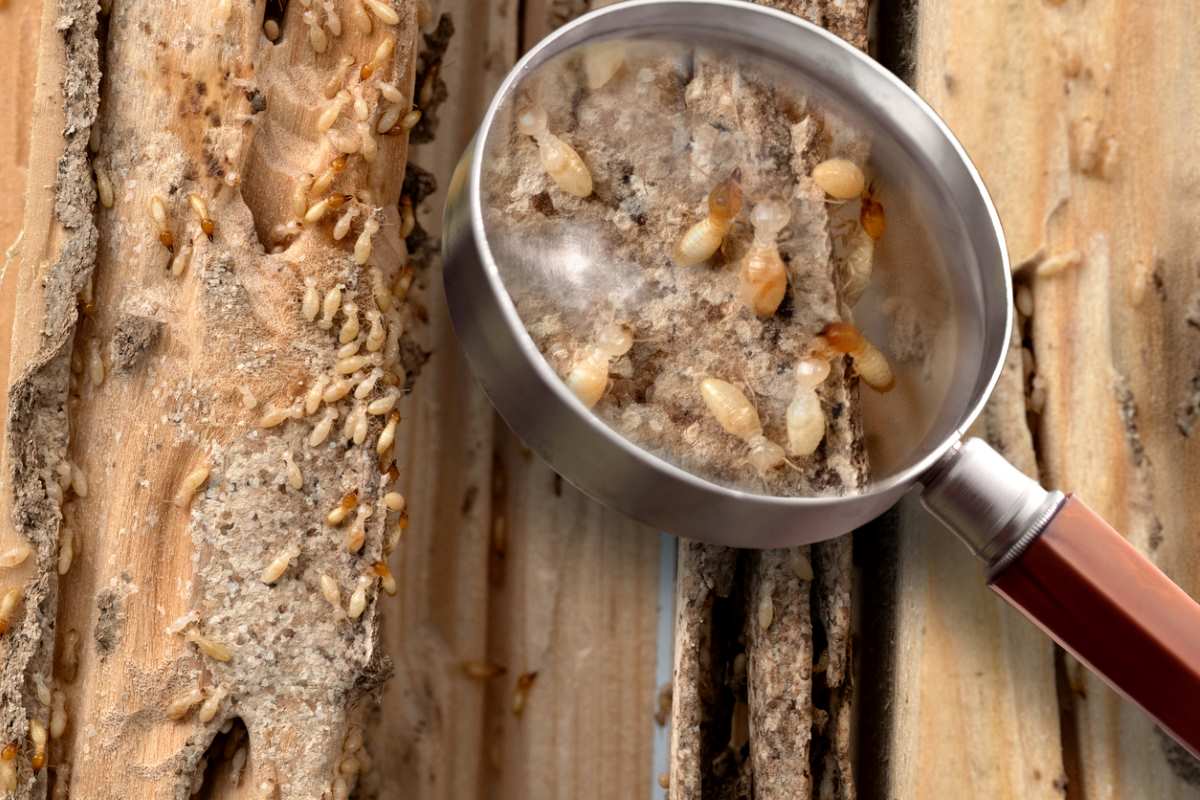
{"x": 504, "y": 563}
{"x": 1120, "y": 360}
{"x": 231, "y": 118}
{"x": 974, "y": 683}
{"x": 1052, "y": 100}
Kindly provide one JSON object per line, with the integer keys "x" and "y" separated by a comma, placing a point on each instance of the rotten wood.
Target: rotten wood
{"x": 749, "y": 716}
{"x": 136, "y": 380}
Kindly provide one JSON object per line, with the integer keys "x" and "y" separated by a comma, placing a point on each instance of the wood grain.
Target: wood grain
{"x": 506, "y": 564}
{"x": 1053, "y": 101}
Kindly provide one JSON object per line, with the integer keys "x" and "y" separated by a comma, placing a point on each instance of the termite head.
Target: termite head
{"x": 725, "y": 200}
{"x": 871, "y": 215}
{"x": 9, "y": 752}
{"x": 770, "y": 217}
{"x": 842, "y": 337}
{"x": 167, "y": 240}
{"x": 532, "y": 121}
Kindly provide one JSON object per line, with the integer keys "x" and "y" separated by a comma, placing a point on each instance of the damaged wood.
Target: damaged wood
{"x": 147, "y": 433}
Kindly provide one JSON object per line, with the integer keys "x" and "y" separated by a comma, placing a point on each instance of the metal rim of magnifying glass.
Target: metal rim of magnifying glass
{"x": 539, "y": 408}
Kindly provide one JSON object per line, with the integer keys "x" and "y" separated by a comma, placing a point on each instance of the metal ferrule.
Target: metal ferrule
{"x": 993, "y": 507}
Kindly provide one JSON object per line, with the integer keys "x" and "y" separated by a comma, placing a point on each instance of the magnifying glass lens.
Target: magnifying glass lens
{"x": 724, "y": 263}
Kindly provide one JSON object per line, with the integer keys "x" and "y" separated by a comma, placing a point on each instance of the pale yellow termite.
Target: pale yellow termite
{"x": 805, "y": 417}
{"x": 737, "y": 415}
{"x": 601, "y": 62}
{"x": 588, "y": 375}
{"x": 763, "y": 278}
{"x": 559, "y": 159}
{"x": 870, "y": 364}
{"x": 703, "y": 239}
{"x": 839, "y": 178}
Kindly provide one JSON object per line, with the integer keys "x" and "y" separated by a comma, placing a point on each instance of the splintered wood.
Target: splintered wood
{"x": 763, "y": 680}
{"x": 161, "y": 387}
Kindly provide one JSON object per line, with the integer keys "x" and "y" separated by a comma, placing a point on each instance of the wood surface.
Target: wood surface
{"x": 975, "y": 710}
{"x": 1073, "y": 116}
{"x": 504, "y": 562}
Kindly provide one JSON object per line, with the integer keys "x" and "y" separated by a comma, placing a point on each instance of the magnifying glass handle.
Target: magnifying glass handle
{"x": 1096, "y": 595}
{"x": 1077, "y": 579}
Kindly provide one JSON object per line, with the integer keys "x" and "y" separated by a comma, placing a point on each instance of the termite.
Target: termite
{"x": 394, "y": 501}
{"x": 358, "y": 598}
{"x": 15, "y": 556}
{"x": 331, "y": 593}
{"x": 9, "y": 602}
{"x": 104, "y": 187}
{"x": 292, "y": 471}
{"x": 601, "y": 62}
{"x": 558, "y": 158}
{"x": 320, "y": 431}
{"x": 870, "y": 364}
{"x": 158, "y": 212}
{"x": 389, "y": 118}
{"x": 190, "y": 484}
{"x": 316, "y": 34}
{"x": 180, "y": 707}
{"x": 322, "y": 182}
{"x": 805, "y": 417}
{"x": 521, "y": 692}
{"x": 66, "y": 550}
{"x": 703, "y": 239}
{"x": 350, "y": 327}
{"x": 388, "y": 435}
{"x": 737, "y": 415}
{"x": 382, "y": 405}
{"x": 763, "y": 278}
{"x": 375, "y": 336}
{"x": 333, "y": 111}
{"x": 363, "y": 245}
{"x": 360, "y": 17}
{"x": 310, "y": 305}
{"x": 382, "y": 53}
{"x": 200, "y": 209}
{"x": 37, "y": 735}
{"x": 274, "y": 416}
{"x": 338, "y": 78}
{"x": 212, "y": 704}
{"x": 368, "y": 146}
{"x": 342, "y": 226}
{"x": 839, "y": 178}
{"x": 588, "y": 374}
{"x": 870, "y": 214}
{"x": 386, "y": 580}
{"x": 181, "y": 260}
{"x": 214, "y": 650}
{"x": 356, "y": 534}
{"x": 482, "y": 670}
{"x": 329, "y": 307}
{"x": 332, "y": 21}
{"x": 279, "y": 565}
{"x": 312, "y": 400}
{"x": 347, "y": 504}
{"x": 383, "y": 10}
{"x": 408, "y": 220}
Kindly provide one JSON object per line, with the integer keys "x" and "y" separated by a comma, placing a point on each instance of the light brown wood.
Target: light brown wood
{"x": 1067, "y": 113}
{"x": 504, "y": 563}
{"x": 195, "y": 101}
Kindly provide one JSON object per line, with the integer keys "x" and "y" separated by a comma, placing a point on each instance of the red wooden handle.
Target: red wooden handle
{"x": 1097, "y": 596}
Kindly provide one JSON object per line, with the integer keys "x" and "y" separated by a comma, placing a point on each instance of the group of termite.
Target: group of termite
{"x": 762, "y": 284}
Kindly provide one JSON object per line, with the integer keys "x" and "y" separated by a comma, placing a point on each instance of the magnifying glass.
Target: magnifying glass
{"x": 637, "y": 249}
